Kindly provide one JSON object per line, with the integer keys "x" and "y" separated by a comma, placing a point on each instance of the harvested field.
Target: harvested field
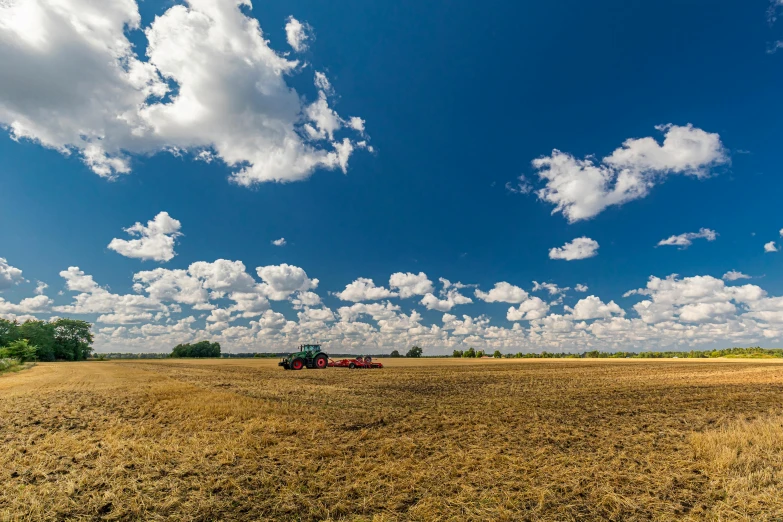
{"x": 418, "y": 440}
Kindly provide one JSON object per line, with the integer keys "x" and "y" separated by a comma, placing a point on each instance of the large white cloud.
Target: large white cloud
{"x": 9, "y": 275}
{"x": 210, "y": 84}
{"x": 685, "y": 240}
{"x": 155, "y": 242}
{"x": 579, "y": 248}
{"x": 583, "y": 188}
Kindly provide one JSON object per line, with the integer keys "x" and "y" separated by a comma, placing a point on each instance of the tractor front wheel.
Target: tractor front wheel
{"x": 297, "y": 364}
{"x": 321, "y": 362}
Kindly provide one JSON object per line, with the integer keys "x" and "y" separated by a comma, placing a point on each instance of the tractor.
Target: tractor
{"x": 308, "y": 356}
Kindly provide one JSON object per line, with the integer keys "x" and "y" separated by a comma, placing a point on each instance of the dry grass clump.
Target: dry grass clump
{"x": 745, "y": 460}
{"x": 418, "y": 440}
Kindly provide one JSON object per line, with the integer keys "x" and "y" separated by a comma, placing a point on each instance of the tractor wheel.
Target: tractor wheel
{"x": 321, "y": 362}
{"x": 351, "y": 366}
{"x": 297, "y": 364}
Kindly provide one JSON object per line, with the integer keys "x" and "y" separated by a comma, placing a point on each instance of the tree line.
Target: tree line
{"x": 60, "y": 340}
{"x": 752, "y": 352}
{"x": 199, "y": 349}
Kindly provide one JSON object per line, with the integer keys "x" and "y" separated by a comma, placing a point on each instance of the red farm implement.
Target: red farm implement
{"x": 358, "y": 362}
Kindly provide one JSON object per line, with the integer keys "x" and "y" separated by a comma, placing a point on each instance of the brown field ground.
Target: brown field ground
{"x": 419, "y": 440}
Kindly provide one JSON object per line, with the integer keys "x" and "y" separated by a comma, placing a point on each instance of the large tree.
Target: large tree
{"x": 73, "y": 339}
{"x": 40, "y": 334}
{"x": 9, "y": 332}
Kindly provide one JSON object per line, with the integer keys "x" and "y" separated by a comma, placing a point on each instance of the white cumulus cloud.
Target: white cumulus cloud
{"x": 503, "y": 293}
{"x": 364, "y": 289}
{"x": 9, "y": 275}
{"x": 409, "y": 284}
{"x": 685, "y": 240}
{"x": 770, "y": 247}
{"x": 734, "y": 275}
{"x": 583, "y": 188}
{"x": 579, "y": 248}
{"x": 155, "y": 241}
{"x": 297, "y": 34}
{"x": 209, "y": 85}
{"x": 279, "y": 242}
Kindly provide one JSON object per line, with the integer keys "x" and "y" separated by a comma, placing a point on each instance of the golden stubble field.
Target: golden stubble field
{"x": 419, "y": 440}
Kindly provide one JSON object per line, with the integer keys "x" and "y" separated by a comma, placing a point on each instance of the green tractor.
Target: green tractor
{"x": 308, "y": 356}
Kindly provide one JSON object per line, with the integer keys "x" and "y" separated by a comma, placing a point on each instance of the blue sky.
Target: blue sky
{"x": 456, "y": 102}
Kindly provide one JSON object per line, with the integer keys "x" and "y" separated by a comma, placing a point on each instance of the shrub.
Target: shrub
{"x": 20, "y": 350}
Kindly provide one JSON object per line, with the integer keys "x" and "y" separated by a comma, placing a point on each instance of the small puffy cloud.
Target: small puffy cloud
{"x": 155, "y": 242}
{"x": 124, "y": 318}
{"x": 377, "y": 311}
{"x": 9, "y": 275}
{"x": 280, "y": 281}
{"x": 685, "y": 240}
{"x": 356, "y": 124}
{"x": 279, "y": 242}
{"x": 304, "y": 299}
{"x": 449, "y": 299}
{"x": 409, "y": 284}
{"x": 734, "y": 275}
{"x": 40, "y": 288}
{"x": 223, "y": 275}
{"x": 581, "y": 288}
{"x": 770, "y": 247}
{"x": 503, "y": 293}
{"x": 522, "y": 186}
{"x": 297, "y": 34}
{"x": 552, "y": 288}
{"x": 529, "y": 310}
{"x": 178, "y": 286}
{"x": 364, "y": 289}
{"x": 583, "y": 188}
{"x": 592, "y": 307}
{"x": 579, "y": 248}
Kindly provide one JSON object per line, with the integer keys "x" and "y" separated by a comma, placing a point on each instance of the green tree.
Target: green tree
{"x": 21, "y": 350}
{"x": 41, "y": 334}
{"x": 72, "y": 340}
{"x": 480, "y": 354}
{"x": 200, "y": 349}
{"x": 469, "y": 353}
{"x": 9, "y": 331}
{"x": 395, "y": 353}
{"x": 497, "y": 354}
{"x": 457, "y": 353}
{"x": 414, "y": 352}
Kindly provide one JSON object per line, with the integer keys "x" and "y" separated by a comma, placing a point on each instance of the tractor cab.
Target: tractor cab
{"x": 308, "y": 356}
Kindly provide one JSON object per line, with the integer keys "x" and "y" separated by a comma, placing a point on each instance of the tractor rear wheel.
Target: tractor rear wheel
{"x": 321, "y": 362}
{"x": 297, "y": 364}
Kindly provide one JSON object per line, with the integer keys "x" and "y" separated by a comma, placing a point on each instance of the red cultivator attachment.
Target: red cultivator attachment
{"x": 358, "y": 362}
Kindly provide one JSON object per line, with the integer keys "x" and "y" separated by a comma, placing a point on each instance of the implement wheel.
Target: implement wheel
{"x": 352, "y": 366}
{"x": 297, "y": 364}
{"x": 321, "y": 362}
